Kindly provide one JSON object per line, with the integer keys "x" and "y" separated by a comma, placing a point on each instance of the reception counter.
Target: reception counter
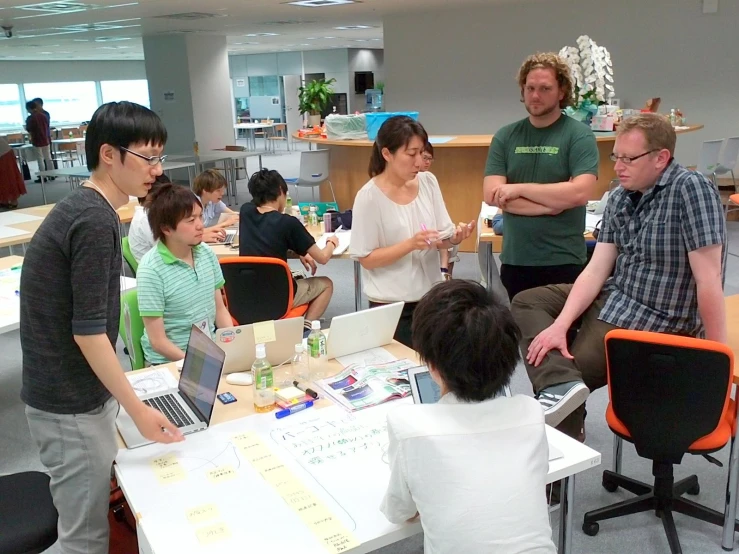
{"x": 459, "y": 165}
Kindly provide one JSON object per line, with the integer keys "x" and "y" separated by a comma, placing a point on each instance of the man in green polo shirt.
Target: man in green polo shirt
{"x": 541, "y": 171}
{"x": 179, "y": 280}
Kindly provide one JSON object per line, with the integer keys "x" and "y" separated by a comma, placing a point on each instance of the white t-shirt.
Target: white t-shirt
{"x": 474, "y": 471}
{"x": 140, "y": 238}
{"x": 378, "y": 222}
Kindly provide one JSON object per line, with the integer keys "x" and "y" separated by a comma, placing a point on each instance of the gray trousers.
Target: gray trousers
{"x": 43, "y": 156}
{"x": 78, "y": 451}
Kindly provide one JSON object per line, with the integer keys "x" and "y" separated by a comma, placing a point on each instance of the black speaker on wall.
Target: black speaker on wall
{"x": 363, "y": 80}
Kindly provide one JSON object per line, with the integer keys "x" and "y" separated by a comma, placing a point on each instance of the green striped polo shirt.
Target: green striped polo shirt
{"x": 182, "y": 295}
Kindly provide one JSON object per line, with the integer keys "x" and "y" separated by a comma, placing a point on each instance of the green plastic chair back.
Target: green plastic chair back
{"x": 131, "y": 328}
{"x": 128, "y": 255}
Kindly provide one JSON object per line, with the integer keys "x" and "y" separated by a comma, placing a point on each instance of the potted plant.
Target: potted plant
{"x": 314, "y": 97}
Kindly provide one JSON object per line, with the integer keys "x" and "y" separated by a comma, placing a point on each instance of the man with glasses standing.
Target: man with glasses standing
{"x": 658, "y": 266}
{"x": 541, "y": 172}
{"x": 73, "y": 382}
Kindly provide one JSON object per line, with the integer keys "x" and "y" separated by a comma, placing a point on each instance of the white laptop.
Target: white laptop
{"x": 190, "y": 405}
{"x": 359, "y": 331}
{"x": 240, "y": 348}
{"x": 425, "y": 391}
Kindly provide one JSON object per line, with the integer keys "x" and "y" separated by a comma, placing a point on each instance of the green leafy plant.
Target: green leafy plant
{"x": 315, "y": 96}
{"x": 380, "y": 86}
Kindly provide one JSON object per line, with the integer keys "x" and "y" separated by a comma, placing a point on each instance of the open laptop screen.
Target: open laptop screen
{"x": 201, "y": 372}
{"x": 428, "y": 390}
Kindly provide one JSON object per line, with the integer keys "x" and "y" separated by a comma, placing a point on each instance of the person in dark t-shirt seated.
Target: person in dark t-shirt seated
{"x": 265, "y": 231}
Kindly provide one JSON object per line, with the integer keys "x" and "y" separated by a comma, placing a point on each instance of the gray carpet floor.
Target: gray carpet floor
{"x": 634, "y": 534}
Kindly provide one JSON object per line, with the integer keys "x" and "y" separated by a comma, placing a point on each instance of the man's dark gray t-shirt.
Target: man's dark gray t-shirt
{"x": 70, "y": 285}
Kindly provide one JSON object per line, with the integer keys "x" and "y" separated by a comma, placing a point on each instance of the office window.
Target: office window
{"x": 66, "y": 102}
{"x": 11, "y": 115}
{"x": 133, "y": 91}
{"x": 264, "y": 86}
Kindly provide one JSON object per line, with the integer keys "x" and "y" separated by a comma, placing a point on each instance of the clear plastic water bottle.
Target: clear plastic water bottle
{"x": 288, "y": 204}
{"x": 264, "y": 392}
{"x": 317, "y": 351}
{"x": 299, "y": 366}
{"x": 313, "y": 218}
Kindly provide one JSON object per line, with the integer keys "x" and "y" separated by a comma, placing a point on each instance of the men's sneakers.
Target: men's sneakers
{"x": 561, "y": 400}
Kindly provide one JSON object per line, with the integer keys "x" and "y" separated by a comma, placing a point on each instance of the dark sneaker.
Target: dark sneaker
{"x": 561, "y": 400}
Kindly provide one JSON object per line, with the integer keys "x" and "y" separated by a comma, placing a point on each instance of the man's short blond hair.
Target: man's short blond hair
{"x": 549, "y": 60}
{"x": 657, "y": 130}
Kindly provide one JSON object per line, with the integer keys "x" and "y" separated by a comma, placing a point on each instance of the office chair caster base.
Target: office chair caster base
{"x": 609, "y": 485}
{"x": 695, "y": 490}
{"x": 591, "y": 529}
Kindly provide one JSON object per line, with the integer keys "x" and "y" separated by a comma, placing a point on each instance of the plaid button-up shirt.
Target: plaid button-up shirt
{"x": 652, "y": 287}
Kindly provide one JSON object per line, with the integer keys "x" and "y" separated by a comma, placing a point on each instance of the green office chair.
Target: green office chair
{"x": 128, "y": 255}
{"x": 131, "y": 328}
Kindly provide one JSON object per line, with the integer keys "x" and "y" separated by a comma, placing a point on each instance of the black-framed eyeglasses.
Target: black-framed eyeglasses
{"x": 152, "y": 160}
{"x": 626, "y": 160}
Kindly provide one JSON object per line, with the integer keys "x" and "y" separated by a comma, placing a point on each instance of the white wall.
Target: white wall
{"x": 465, "y": 80}
{"x": 61, "y": 71}
{"x": 167, "y": 70}
{"x": 364, "y": 59}
{"x": 207, "y": 58}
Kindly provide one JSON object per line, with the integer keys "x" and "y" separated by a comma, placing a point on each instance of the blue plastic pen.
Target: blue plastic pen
{"x": 293, "y": 409}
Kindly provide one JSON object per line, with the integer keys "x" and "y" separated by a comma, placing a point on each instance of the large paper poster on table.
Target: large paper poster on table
{"x": 321, "y": 474}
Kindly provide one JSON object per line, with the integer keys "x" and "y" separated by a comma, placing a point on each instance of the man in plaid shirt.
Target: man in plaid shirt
{"x": 658, "y": 266}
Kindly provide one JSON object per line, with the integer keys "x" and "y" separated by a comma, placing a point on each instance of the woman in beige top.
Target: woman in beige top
{"x": 400, "y": 222}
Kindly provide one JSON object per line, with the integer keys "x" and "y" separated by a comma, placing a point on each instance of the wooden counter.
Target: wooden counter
{"x": 459, "y": 165}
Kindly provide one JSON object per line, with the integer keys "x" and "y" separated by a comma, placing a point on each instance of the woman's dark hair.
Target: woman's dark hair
{"x": 167, "y": 206}
{"x": 394, "y": 134}
{"x": 121, "y": 125}
{"x": 266, "y": 185}
{"x": 159, "y": 181}
{"x": 428, "y": 147}
{"x": 209, "y": 180}
{"x": 467, "y": 336}
{"x": 30, "y": 105}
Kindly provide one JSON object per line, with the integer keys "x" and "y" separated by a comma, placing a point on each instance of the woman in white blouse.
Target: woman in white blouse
{"x": 400, "y": 222}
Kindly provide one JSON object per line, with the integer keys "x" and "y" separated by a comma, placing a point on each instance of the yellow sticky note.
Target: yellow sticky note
{"x": 264, "y": 331}
{"x": 340, "y": 541}
{"x": 213, "y": 533}
{"x": 220, "y": 474}
{"x": 171, "y": 474}
{"x": 203, "y": 513}
{"x": 165, "y": 461}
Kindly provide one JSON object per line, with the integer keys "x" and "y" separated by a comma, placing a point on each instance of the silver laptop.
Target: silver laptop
{"x": 363, "y": 330}
{"x": 425, "y": 391}
{"x": 231, "y": 235}
{"x": 190, "y": 405}
{"x": 238, "y": 344}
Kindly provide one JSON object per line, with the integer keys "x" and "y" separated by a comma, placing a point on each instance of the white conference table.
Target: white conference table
{"x": 160, "y": 508}
{"x": 10, "y": 311}
{"x": 251, "y": 128}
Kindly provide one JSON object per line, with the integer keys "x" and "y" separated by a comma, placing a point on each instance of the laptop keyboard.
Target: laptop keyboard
{"x": 169, "y": 406}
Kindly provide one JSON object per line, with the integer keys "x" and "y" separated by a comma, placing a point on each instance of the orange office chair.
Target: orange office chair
{"x": 259, "y": 289}
{"x": 670, "y": 396}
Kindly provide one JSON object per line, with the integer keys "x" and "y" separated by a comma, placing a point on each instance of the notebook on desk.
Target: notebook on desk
{"x": 425, "y": 391}
{"x": 190, "y": 406}
{"x": 344, "y": 237}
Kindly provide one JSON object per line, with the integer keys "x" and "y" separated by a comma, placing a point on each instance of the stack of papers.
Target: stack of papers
{"x": 344, "y": 236}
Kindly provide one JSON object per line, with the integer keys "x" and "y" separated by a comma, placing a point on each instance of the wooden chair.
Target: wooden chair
{"x": 278, "y": 133}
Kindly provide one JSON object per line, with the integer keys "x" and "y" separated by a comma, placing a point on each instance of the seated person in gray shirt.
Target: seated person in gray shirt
{"x": 69, "y": 312}
{"x": 658, "y": 266}
{"x": 265, "y": 231}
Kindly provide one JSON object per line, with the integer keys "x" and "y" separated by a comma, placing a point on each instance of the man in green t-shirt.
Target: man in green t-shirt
{"x": 541, "y": 171}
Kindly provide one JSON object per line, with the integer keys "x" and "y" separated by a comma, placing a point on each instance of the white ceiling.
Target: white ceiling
{"x": 112, "y": 29}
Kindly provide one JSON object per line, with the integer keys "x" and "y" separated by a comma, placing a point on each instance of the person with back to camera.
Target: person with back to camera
{"x": 400, "y": 222}
{"x": 474, "y": 465}
{"x": 265, "y": 231}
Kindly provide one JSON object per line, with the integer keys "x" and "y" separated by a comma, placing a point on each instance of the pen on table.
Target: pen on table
{"x": 309, "y": 392}
{"x": 293, "y": 409}
{"x": 423, "y": 228}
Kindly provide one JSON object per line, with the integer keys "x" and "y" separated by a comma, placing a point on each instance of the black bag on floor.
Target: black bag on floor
{"x": 26, "y": 171}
